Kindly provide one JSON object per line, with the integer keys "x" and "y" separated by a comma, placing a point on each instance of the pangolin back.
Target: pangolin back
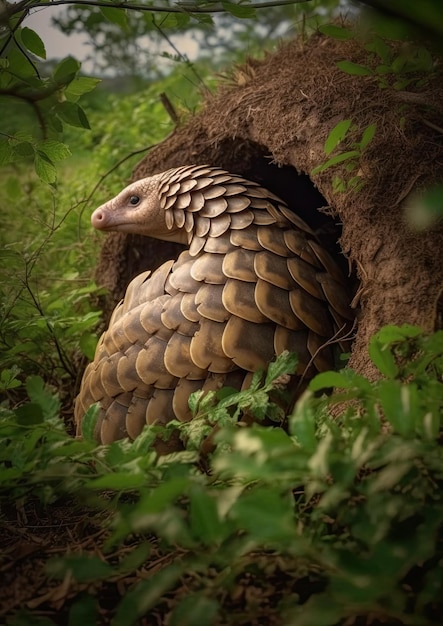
{"x": 253, "y": 283}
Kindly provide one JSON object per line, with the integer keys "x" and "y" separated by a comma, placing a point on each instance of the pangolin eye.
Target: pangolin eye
{"x": 134, "y": 200}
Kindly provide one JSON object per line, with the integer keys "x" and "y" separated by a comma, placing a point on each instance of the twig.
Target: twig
{"x": 439, "y": 129}
{"x": 169, "y": 107}
{"x": 182, "y": 56}
{"x": 179, "y": 7}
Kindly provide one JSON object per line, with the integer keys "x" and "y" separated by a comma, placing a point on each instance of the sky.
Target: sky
{"x": 58, "y": 45}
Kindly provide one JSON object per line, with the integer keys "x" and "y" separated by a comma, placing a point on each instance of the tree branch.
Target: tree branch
{"x": 179, "y": 7}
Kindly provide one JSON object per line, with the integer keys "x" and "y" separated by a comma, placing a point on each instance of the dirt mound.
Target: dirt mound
{"x": 269, "y": 122}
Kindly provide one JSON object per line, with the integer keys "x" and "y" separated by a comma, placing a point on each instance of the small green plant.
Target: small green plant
{"x": 350, "y": 158}
{"x": 409, "y": 64}
{"x": 345, "y": 513}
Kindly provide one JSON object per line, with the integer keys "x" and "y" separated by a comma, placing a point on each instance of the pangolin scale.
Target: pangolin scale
{"x": 253, "y": 282}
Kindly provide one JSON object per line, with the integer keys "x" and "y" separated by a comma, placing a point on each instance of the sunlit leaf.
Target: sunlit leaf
{"x": 337, "y": 134}
{"x": 354, "y": 68}
{"x": 54, "y": 150}
{"x": 44, "y": 167}
{"x": 336, "y": 32}
{"x": 382, "y": 358}
{"x": 89, "y": 422}
{"x": 368, "y": 135}
{"x": 285, "y": 363}
{"x": 79, "y": 86}
{"x": 339, "y": 158}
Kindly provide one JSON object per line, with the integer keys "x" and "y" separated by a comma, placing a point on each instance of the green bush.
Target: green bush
{"x": 347, "y": 509}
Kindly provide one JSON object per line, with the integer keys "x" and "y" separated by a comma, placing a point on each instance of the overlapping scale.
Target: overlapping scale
{"x": 254, "y": 282}
{"x": 240, "y": 264}
{"x": 239, "y": 298}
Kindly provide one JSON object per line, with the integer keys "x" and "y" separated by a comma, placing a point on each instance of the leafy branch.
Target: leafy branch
{"x": 239, "y": 10}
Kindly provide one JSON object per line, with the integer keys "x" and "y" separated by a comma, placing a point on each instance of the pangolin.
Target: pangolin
{"x": 253, "y": 282}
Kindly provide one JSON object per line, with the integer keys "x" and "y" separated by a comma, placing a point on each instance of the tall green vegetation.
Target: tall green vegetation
{"x": 331, "y": 521}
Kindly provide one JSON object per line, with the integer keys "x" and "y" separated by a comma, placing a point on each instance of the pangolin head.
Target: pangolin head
{"x": 137, "y": 210}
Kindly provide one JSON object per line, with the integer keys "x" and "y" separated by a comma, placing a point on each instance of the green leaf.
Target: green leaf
{"x": 400, "y": 405}
{"x": 118, "y": 481}
{"x": 138, "y": 601}
{"x": 165, "y": 494}
{"x": 135, "y": 559}
{"x": 383, "y": 69}
{"x": 382, "y": 357}
{"x": 354, "y": 68}
{"x": 194, "y": 609}
{"x": 6, "y": 152}
{"x": 367, "y": 136}
{"x": 337, "y": 134}
{"x": 54, "y": 150}
{"x": 326, "y": 380}
{"x": 8, "y": 378}
{"x": 83, "y": 568}
{"x": 336, "y": 32}
{"x": 425, "y": 62}
{"x": 303, "y": 428}
{"x": 205, "y": 522}
{"x": 44, "y": 167}
{"x": 116, "y": 16}
{"x": 19, "y": 64}
{"x": 88, "y": 344}
{"x": 37, "y": 392}
{"x": 89, "y": 422}
{"x": 285, "y": 363}
{"x": 265, "y": 515}
{"x": 79, "y": 86}
{"x": 238, "y": 10}
{"x": 29, "y": 414}
{"x": 380, "y": 48}
{"x": 72, "y": 114}
{"x": 339, "y": 158}
{"x": 24, "y": 149}
{"x": 390, "y": 334}
{"x": 66, "y": 71}
{"x": 33, "y": 42}
{"x": 84, "y": 611}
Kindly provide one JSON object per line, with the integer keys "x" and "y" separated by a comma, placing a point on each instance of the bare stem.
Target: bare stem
{"x": 179, "y": 7}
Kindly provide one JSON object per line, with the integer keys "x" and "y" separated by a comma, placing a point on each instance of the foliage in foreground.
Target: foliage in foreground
{"x": 352, "y": 505}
